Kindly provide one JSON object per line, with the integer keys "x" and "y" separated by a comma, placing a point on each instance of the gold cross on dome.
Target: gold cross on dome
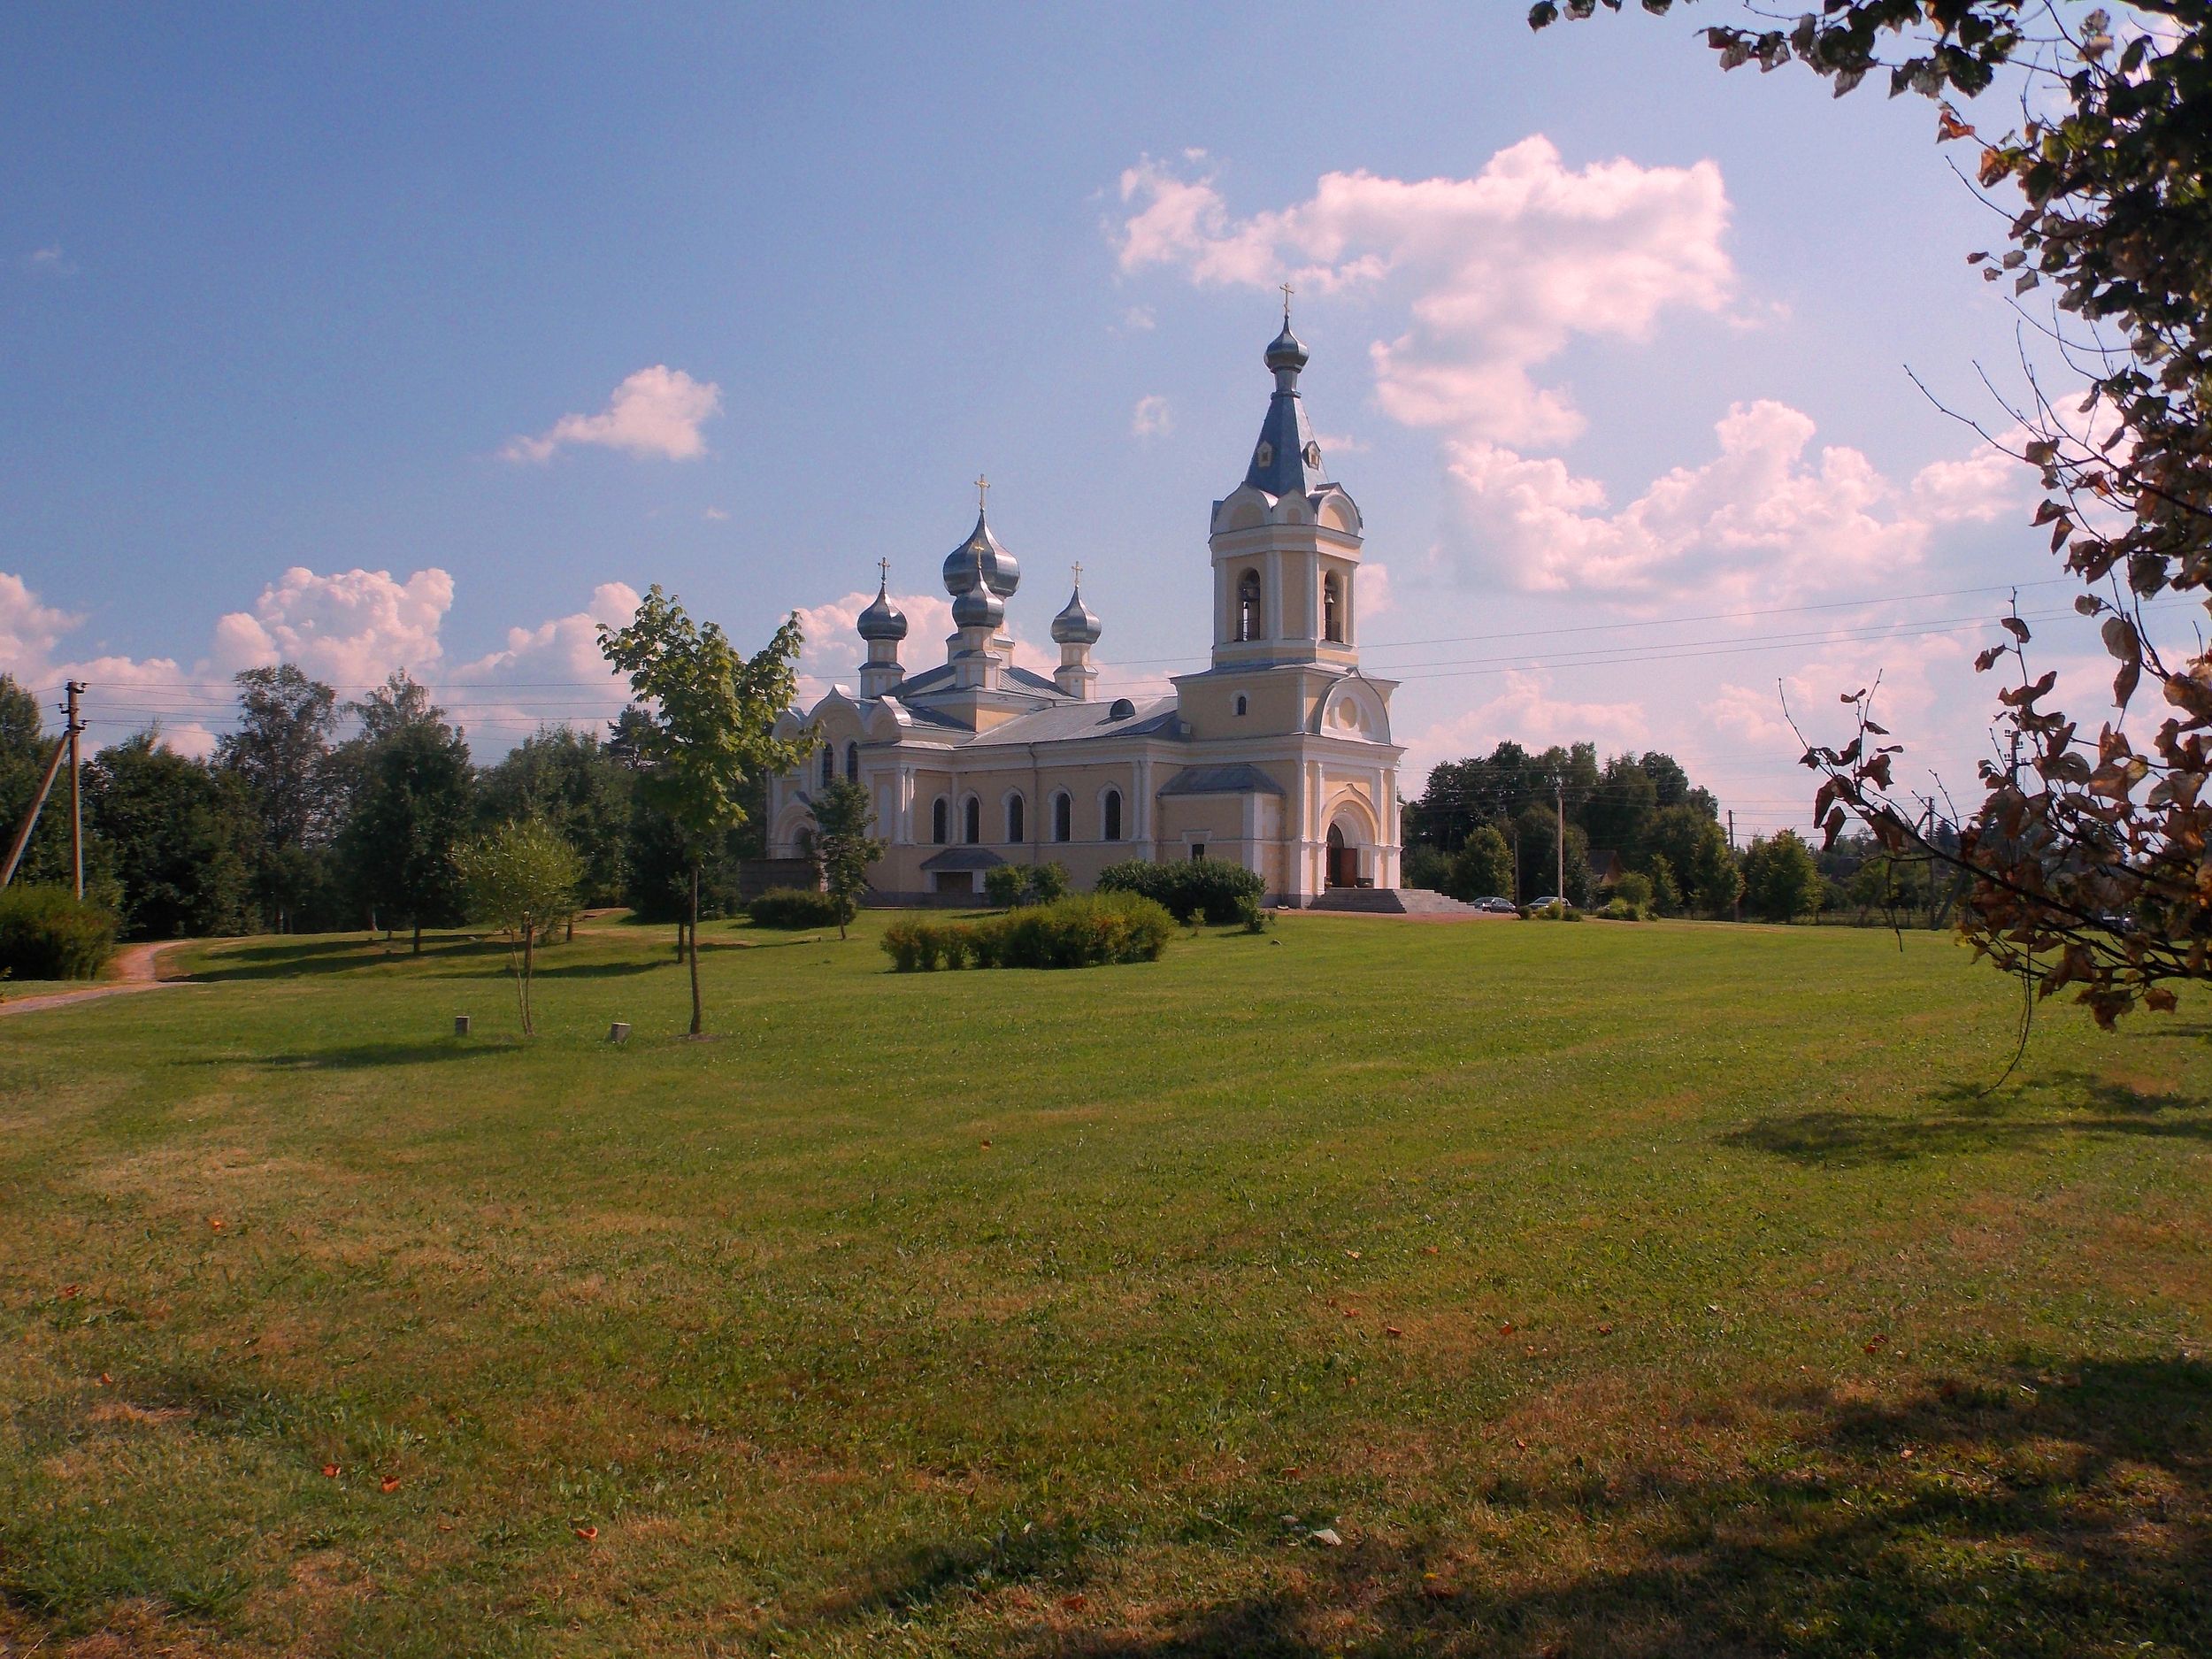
{"x": 1287, "y": 291}
{"x": 1078, "y": 575}
{"x": 982, "y": 491}
{"x": 884, "y": 566}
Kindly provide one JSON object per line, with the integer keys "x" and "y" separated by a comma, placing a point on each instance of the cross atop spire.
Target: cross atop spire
{"x": 1079, "y": 574}
{"x": 982, "y": 491}
{"x": 884, "y": 582}
{"x": 1287, "y": 291}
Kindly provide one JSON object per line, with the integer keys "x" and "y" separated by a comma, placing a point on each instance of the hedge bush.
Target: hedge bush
{"x": 1192, "y": 889}
{"x": 794, "y": 907}
{"x": 45, "y": 933}
{"x": 1086, "y": 931}
{"x": 1005, "y": 886}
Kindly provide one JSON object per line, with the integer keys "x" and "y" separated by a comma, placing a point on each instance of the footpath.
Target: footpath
{"x": 137, "y": 968}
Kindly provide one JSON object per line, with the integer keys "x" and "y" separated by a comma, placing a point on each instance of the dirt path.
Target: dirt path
{"x": 137, "y": 968}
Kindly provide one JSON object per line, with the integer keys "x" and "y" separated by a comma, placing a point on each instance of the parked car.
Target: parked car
{"x": 1544, "y": 905}
{"x": 1497, "y": 906}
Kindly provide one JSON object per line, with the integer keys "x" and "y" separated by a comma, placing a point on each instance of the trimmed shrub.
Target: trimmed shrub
{"x": 794, "y": 907}
{"x": 1623, "y": 910}
{"x": 1552, "y": 913}
{"x": 1004, "y": 885}
{"x": 1082, "y": 932}
{"x": 45, "y": 933}
{"x": 1192, "y": 890}
{"x": 1256, "y": 919}
{"x": 1047, "y": 883}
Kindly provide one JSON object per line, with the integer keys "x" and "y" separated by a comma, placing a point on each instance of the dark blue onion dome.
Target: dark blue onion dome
{"x": 1075, "y": 624}
{"x": 977, "y": 607}
{"x": 983, "y": 559}
{"x": 1285, "y": 350}
{"x": 882, "y": 619}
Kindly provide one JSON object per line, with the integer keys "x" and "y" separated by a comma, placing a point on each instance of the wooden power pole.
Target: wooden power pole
{"x": 76, "y": 793}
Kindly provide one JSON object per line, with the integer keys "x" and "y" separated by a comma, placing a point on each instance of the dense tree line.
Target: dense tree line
{"x": 315, "y": 815}
{"x": 1489, "y": 826}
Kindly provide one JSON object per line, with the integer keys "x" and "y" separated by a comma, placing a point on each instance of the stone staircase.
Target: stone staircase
{"x": 1391, "y": 902}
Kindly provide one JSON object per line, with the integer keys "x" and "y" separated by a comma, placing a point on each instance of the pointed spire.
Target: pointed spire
{"x": 1287, "y": 460}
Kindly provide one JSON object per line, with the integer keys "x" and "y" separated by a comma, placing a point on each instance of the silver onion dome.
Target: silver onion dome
{"x": 977, "y": 607}
{"x": 882, "y": 619}
{"x": 1076, "y": 625}
{"x": 1285, "y": 350}
{"x": 982, "y": 559}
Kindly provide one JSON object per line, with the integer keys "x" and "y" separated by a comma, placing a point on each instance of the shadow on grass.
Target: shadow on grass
{"x": 364, "y": 1055}
{"x": 286, "y": 959}
{"x": 2026, "y": 1514}
{"x": 2043, "y": 1109}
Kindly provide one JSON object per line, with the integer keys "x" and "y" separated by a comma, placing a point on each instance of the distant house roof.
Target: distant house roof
{"x": 1606, "y": 866}
{"x": 962, "y": 858}
{"x": 1240, "y": 779}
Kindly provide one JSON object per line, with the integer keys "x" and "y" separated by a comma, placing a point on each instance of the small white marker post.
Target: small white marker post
{"x": 619, "y": 1031}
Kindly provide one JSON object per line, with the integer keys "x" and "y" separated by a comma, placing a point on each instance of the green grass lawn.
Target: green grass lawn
{"x": 1602, "y": 1289}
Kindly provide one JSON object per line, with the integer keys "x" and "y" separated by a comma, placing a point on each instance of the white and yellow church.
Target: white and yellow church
{"x": 1276, "y": 756}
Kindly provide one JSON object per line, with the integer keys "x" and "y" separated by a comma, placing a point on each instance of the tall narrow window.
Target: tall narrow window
{"x": 829, "y": 766}
{"x": 852, "y": 763}
{"x": 1111, "y": 813}
{"x": 1248, "y": 605}
{"x": 1013, "y": 815}
{"x": 974, "y": 816}
{"x": 1242, "y": 704}
{"x": 941, "y": 821}
{"x": 1333, "y": 607}
{"x": 1063, "y": 817}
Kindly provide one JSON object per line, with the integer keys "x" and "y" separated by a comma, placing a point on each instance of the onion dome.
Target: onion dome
{"x": 1286, "y": 461}
{"x": 977, "y": 607}
{"x": 982, "y": 559}
{"x": 1285, "y": 350}
{"x": 1075, "y": 624}
{"x": 882, "y": 619}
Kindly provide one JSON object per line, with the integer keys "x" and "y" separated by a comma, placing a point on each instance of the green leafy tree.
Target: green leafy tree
{"x": 1483, "y": 867}
{"x": 411, "y": 808}
{"x": 2102, "y": 177}
{"x": 522, "y": 877}
{"x": 713, "y": 715}
{"x": 574, "y": 783}
{"x": 843, "y": 815}
{"x": 179, "y": 835}
{"x": 1781, "y": 881}
{"x": 279, "y": 753}
{"x": 1621, "y": 805}
{"x": 1695, "y": 849}
{"x": 1537, "y": 830}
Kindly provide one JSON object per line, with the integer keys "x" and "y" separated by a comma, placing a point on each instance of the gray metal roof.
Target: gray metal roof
{"x": 1073, "y": 722}
{"x": 961, "y": 858}
{"x": 1240, "y": 779}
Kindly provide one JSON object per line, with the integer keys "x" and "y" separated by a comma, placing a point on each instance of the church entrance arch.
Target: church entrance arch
{"x": 1343, "y": 860}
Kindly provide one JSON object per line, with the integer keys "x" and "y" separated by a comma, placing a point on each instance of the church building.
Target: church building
{"x": 1276, "y": 756}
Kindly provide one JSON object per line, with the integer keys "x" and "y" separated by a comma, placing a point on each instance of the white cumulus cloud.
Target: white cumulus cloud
{"x": 1529, "y": 713}
{"x": 350, "y": 628}
{"x": 656, "y": 411}
{"x": 1499, "y": 272}
{"x": 1151, "y": 418}
{"x": 1767, "y": 516}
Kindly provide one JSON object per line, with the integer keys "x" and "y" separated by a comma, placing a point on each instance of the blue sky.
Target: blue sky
{"x": 309, "y": 292}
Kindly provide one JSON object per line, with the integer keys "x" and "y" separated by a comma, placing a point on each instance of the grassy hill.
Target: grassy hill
{"x": 1598, "y": 1289}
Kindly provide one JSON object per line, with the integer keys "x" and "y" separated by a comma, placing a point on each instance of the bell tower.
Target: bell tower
{"x": 1286, "y": 542}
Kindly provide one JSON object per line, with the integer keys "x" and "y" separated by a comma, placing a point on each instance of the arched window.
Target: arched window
{"x": 941, "y": 821}
{"x": 852, "y": 763}
{"x": 1241, "y": 705}
{"x": 1014, "y": 817}
{"x": 1333, "y": 607}
{"x": 829, "y": 766}
{"x": 1248, "y": 605}
{"x": 974, "y": 816}
{"x": 1111, "y": 813}
{"x": 1063, "y": 817}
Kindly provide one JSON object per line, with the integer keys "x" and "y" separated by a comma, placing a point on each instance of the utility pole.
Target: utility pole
{"x": 76, "y": 793}
{"x": 1559, "y": 806}
{"x": 1732, "y": 855}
